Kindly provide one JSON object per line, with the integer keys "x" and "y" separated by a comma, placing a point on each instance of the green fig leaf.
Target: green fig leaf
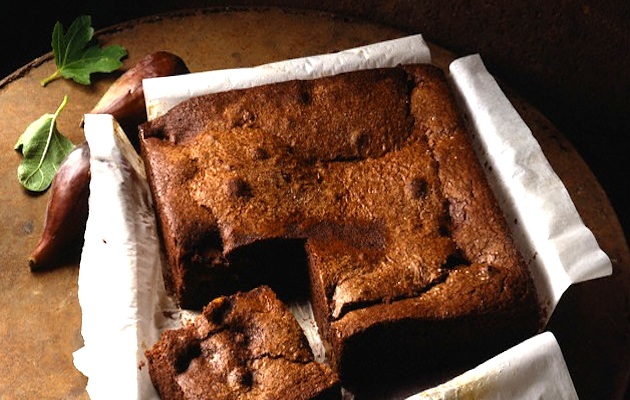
{"x": 77, "y": 55}
{"x": 44, "y": 148}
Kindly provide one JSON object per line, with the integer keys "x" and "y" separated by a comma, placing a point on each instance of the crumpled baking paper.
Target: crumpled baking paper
{"x": 558, "y": 247}
{"x": 163, "y": 94}
{"x": 503, "y": 376}
{"x": 121, "y": 291}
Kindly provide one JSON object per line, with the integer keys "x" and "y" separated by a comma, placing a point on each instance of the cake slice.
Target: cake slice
{"x": 246, "y": 346}
{"x": 373, "y": 176}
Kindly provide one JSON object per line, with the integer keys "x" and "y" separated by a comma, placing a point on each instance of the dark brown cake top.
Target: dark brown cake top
{"x": 350, "y": 163}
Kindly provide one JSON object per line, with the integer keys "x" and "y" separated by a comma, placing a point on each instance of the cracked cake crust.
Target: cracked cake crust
{"x": 409, "y": 256}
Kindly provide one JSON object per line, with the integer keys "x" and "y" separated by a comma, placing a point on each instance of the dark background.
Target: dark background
{"x": 570, "y": 59}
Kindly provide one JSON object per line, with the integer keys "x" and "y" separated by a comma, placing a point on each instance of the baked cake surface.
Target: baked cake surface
{"x": 408, "y": 252}
{"x": 245, "y": 346}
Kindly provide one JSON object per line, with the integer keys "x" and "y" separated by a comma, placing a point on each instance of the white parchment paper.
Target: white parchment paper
{"x": 161, "y": 94}
{"x": 121, "y": 253}
{"x": 121, "y": 291}
{"x": 513, "y": 374}
{"x": 559, "y": 248}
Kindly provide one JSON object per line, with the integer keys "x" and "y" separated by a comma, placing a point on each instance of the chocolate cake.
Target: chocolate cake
{"x": 373, "y": 176}
{"x": 246, "y": 346}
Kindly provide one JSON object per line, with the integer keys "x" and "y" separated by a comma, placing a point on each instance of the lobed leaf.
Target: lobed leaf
{"x": 77, "y": 56}
{"x": 94, "y": 59}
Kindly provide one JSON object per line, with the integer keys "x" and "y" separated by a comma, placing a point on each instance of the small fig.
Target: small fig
{"x": 125, "y": 98}
{"x": 66, "y": 212}
{"x": 67, "y": 209}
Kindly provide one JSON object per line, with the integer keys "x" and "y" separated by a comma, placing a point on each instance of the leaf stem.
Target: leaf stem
{"x": 51, "y": 130}
{"x": 50, "y": 78}
{"x": 61, "y": 106}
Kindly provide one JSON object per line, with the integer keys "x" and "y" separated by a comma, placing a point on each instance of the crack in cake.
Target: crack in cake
{"x": 371, "y": 179}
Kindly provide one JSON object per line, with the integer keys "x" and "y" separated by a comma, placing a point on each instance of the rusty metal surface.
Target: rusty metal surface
{"x": 41, "y": 326}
